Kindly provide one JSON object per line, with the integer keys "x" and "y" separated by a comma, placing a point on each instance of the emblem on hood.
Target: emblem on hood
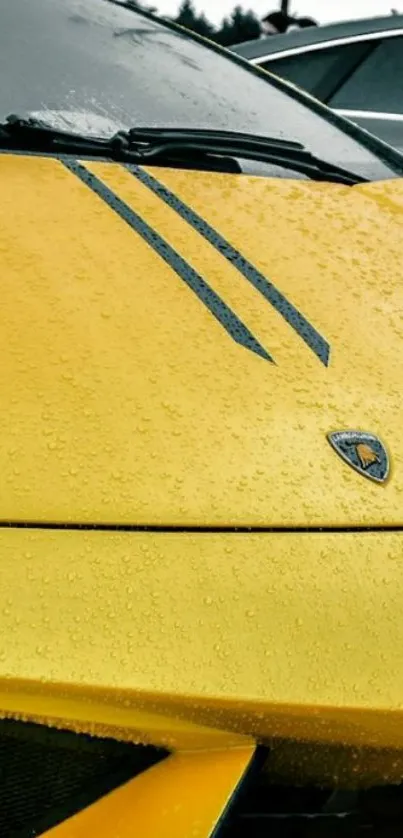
{"x": 363, "y": 452}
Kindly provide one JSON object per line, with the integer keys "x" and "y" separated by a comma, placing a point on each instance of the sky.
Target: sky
{"x": 324, "y": 11}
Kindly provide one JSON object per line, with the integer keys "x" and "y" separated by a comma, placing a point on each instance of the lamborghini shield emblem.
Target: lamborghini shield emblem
{"x": 363, "y": 452}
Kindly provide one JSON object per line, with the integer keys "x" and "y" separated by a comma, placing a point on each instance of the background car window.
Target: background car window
{"x": 322, "y": 71}
{"x": 305, "y": 69}
{"x": 377, "y": 84}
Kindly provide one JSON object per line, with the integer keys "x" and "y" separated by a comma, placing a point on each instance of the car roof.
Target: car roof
{"x": 313, "y": 35}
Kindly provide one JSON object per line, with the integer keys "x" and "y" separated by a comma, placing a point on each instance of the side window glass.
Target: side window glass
{"x": 309, "y": 68}
{"x": 377, "y": 83}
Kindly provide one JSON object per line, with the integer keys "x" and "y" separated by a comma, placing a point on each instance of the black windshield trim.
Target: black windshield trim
{"x": 381, "y": 150}
{"x": 54, "y": 155}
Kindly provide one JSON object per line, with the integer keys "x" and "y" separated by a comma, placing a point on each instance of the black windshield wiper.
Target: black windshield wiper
{"x": 34, "y": 135}
{"x": 159, "y": 142}
{"x": 192, "y": 148}
{"x": 28, "y": 133}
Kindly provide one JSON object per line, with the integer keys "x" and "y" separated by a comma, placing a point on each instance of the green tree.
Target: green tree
{"x": 188, "y": 18}
{"x": 205, "y": 28}
{"x": 135, "y": 4}
{"x": 241, "y": 26}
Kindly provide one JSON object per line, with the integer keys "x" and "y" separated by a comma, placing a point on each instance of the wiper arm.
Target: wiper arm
{"x": 159, "y": 142}
{"x": 205, "y": 149}
{"x": 22, "y": 133}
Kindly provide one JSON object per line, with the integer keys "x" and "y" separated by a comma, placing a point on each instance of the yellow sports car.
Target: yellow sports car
{"x": 201, "y": 442}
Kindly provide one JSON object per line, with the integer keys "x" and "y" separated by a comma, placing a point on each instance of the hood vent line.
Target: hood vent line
{"x": 39, "y": 525}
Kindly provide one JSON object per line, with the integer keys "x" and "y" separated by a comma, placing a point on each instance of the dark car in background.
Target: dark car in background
{"x": 354, "y": 67}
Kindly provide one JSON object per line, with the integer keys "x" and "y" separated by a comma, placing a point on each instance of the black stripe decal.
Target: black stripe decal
{"x": 296, "y": 320}
{"x": 228, "y": 319}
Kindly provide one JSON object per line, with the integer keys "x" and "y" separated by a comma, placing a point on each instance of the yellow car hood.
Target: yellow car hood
{"x": 176, "y": 346}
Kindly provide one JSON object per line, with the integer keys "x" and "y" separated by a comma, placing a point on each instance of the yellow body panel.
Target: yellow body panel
{"x": 125, "y": 401}
{"x": 291, "y": 636}
{"x": 182, "y": 797}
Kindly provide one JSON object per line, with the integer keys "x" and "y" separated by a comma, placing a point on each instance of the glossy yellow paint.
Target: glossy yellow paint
{"x": 126, "y": 714}
{"x": 124, "y": 400}
{"x": 182, "y": 797}
{"x": 265, "y": 635}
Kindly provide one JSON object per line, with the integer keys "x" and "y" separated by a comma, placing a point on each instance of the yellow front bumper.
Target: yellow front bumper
{"x": 201, "y": 639}
{"x": 204, "y": 643}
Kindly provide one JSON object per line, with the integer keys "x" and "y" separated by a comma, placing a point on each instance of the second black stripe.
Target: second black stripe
{"x": 296, "y": 320}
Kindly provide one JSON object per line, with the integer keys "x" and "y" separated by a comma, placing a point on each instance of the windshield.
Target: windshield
{"x": 101, "y": 67}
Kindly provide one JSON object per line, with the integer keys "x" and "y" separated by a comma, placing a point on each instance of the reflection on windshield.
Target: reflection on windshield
{"x": 97, "y": 58}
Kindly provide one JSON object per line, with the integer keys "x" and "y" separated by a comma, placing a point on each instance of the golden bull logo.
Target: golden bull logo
{"x": 362, "y": 451}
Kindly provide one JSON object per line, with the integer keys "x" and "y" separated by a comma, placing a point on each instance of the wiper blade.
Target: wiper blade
{"x": 201, "y": 149}
{"x": 22, "y": 133}
{"x": 156, "y": 143}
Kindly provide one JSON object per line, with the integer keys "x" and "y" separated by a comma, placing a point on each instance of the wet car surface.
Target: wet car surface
{"x": 200, "y": 594}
